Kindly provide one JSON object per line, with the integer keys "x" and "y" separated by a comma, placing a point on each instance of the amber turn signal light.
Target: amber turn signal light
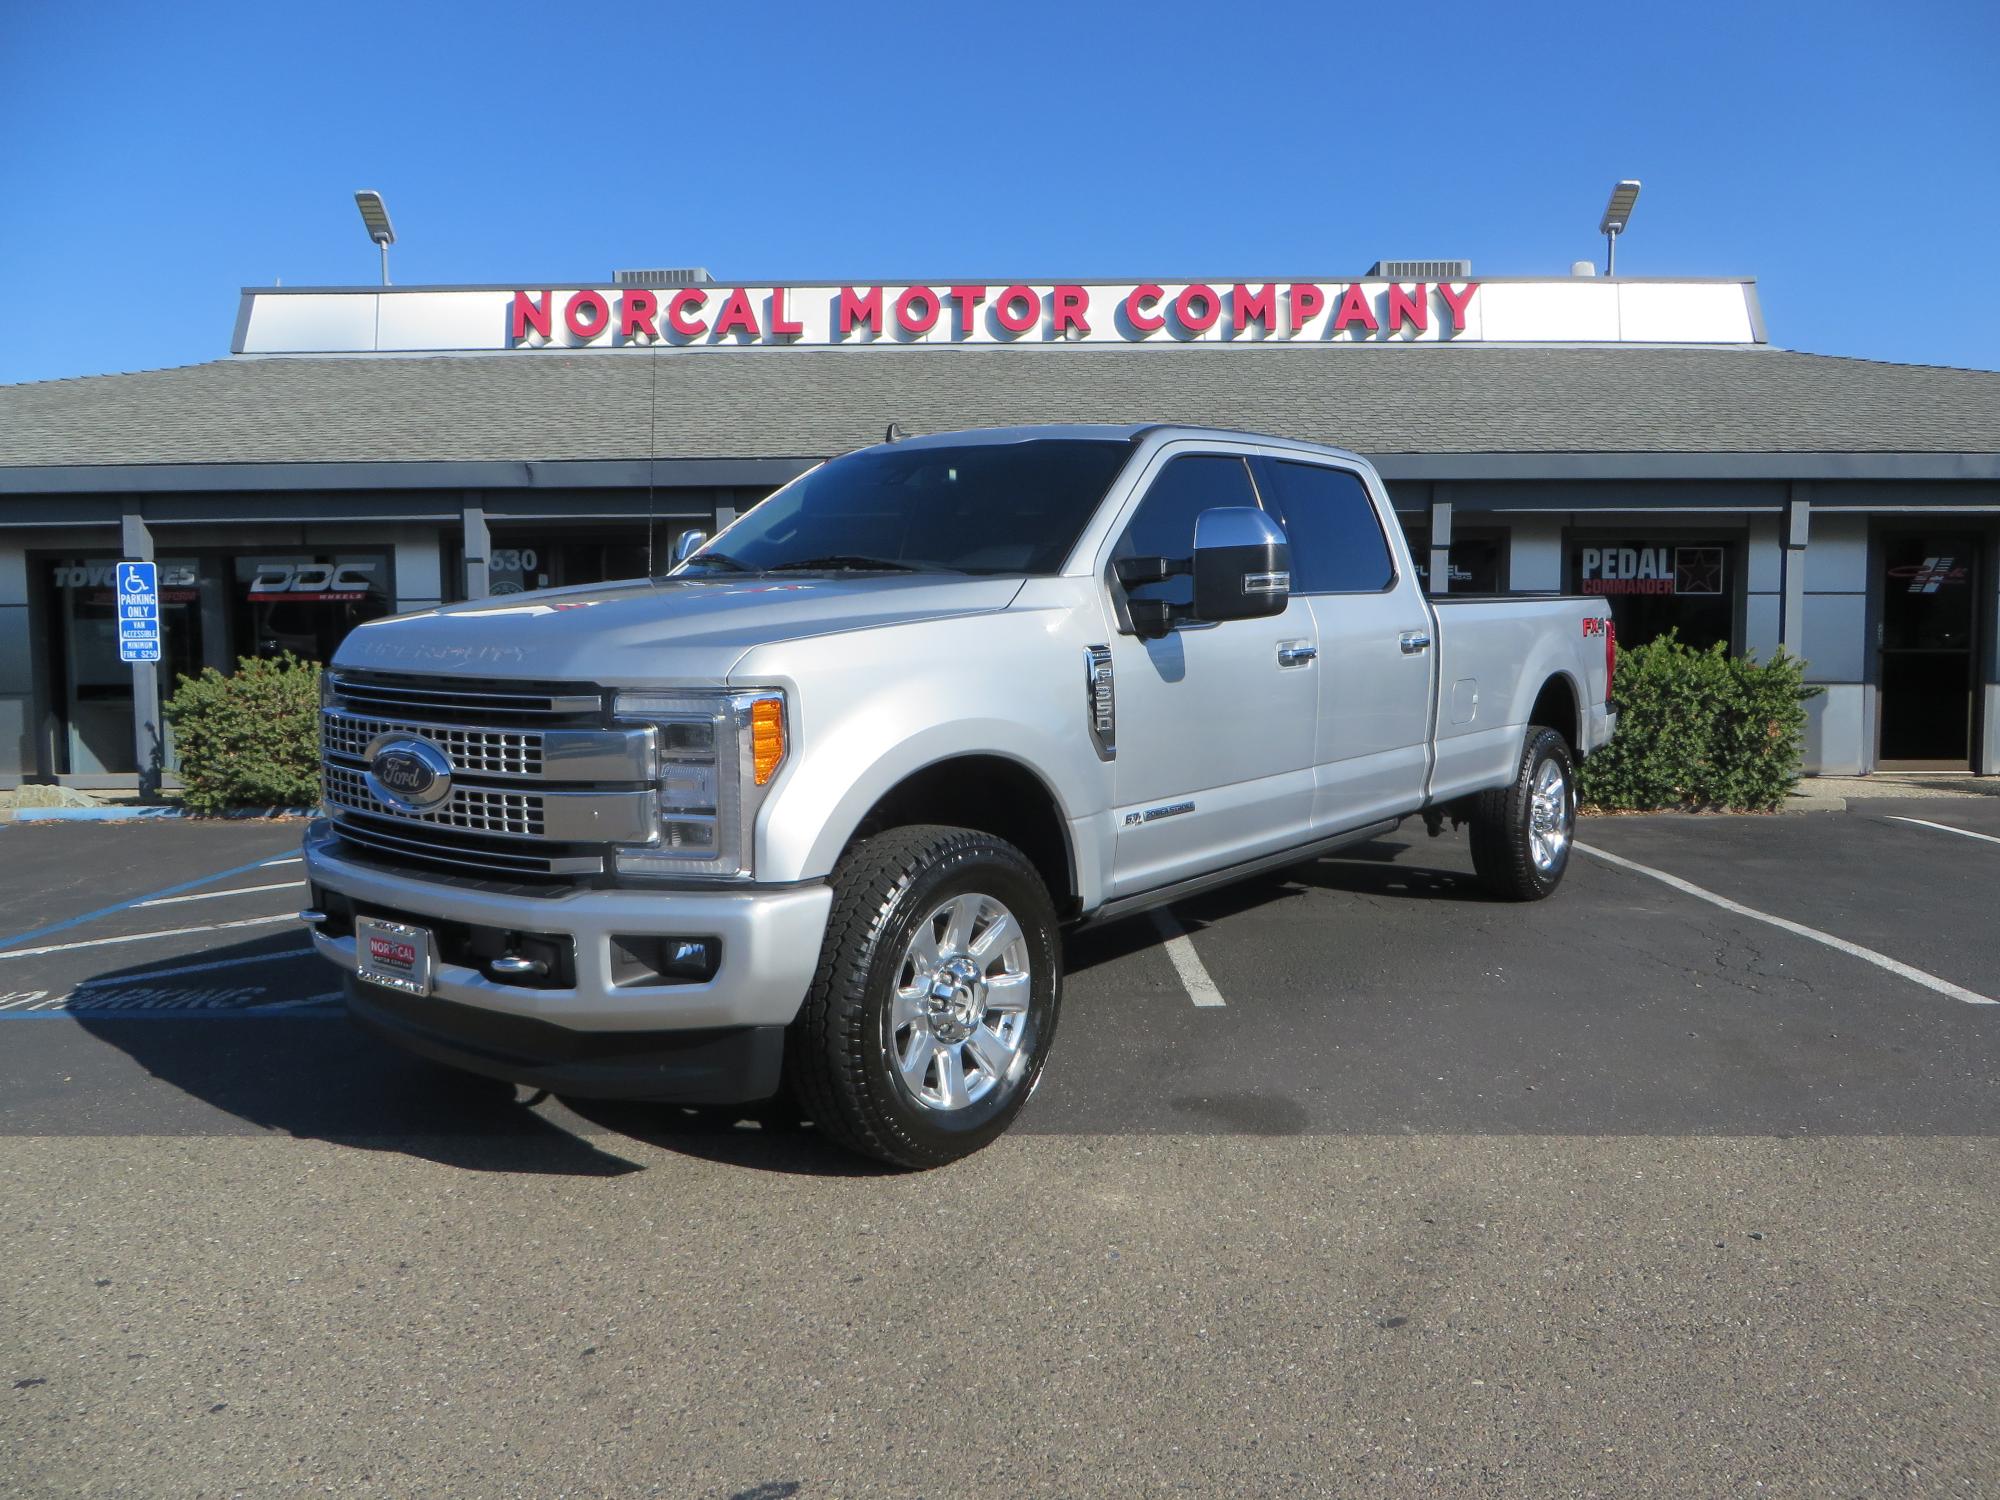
{"x": 767, "y": 738}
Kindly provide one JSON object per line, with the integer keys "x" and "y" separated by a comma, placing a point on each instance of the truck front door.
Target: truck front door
{"x": 1215, "y": 722}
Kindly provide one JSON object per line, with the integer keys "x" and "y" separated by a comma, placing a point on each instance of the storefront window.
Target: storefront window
{"x": 525, "y": 558}
{"x": 1655, "y": 586}
{"x": 94, "y": 686}
{"x": 1475, "y": 559}
{"x": 305, "y": 603}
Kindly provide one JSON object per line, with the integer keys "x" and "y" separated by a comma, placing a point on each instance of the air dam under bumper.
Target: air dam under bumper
{"x": 770, "y": 942}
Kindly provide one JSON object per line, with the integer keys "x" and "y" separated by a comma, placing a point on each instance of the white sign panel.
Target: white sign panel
{"x": 1151, "y": 314}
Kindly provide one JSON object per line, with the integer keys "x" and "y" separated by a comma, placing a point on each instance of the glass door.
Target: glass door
{"x": 95, "y": 687}
{"x": 1929, "y": 585}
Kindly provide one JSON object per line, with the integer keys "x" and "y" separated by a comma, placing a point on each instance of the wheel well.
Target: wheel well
{"x": 995, "y": 795}
{"x": 1556, "y": 707}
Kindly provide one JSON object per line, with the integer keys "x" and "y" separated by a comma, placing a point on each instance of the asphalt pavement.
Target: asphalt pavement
{"x": 1348, "y": 1181}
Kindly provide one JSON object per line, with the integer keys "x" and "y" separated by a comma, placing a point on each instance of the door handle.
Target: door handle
{"x": 1296, "y": 653}
{"x": 1413, "y": 641}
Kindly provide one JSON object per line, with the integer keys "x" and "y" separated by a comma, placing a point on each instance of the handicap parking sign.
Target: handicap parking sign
{"x": 138, "y": 595}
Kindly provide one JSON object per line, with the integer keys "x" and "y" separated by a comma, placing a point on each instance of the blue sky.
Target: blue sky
{"x": 156, "y": 157}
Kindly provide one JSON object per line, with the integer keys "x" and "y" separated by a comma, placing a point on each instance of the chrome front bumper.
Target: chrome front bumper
{"x": 770, "y": 942}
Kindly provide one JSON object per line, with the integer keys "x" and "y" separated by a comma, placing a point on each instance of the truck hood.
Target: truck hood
{"x": 655, "y": 632}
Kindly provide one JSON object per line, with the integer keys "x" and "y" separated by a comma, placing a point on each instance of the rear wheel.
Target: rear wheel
{"x": 935, "y": 999}
{"x": 1521, "y": 833}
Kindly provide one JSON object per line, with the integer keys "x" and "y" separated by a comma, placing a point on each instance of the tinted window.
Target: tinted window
{"x": 1337, "y": 544}
{"x": 1163, "y": 526}
{"x": 980, "y": 508}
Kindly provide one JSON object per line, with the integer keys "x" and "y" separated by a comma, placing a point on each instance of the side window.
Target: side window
{"x": 1337, "y": 542}
{"x": 1163, "y": 526}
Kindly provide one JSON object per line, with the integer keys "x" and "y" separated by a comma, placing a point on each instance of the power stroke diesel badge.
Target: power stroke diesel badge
{"x": 409, "y": 773}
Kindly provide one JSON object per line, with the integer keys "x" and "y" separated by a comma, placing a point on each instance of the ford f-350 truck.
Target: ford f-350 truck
{"x": 811, "y": 811}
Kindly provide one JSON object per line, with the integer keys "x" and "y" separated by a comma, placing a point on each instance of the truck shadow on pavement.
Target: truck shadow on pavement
{"x": 311, "y": 1074}
{"x": 1366, "y": 870}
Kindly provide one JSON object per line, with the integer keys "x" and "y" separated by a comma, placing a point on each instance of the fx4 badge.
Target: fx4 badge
{"x": 1154, "y": 814}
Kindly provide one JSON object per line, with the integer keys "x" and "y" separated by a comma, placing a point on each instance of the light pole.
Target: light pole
{"x": 1617, "y": 214}
{"x": 376, "y": 217}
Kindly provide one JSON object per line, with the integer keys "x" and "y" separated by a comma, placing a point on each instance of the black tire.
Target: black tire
{"x": 1503, "y": 848}
{"x": 841, "y": 1061}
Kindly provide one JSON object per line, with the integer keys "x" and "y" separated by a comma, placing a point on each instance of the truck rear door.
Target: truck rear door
{"x": 1372, "y": 735}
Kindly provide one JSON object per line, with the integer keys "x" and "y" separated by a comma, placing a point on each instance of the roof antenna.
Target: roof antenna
{"x": 652, "y": 440}
{"x": 895, "y": 434}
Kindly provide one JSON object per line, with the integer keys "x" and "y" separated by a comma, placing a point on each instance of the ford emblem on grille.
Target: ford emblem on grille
{"x": 409, "y": 773}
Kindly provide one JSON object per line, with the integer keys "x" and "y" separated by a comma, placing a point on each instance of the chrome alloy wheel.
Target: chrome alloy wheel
{"x": 1551, "y": 817}
{"x": 957, "y": 1028}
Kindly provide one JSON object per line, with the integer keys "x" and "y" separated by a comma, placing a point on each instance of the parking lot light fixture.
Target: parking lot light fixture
{"x": 375, "y": 215}
{"x": 1617, "y": 214}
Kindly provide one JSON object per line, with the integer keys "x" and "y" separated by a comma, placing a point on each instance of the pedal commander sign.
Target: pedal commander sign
{"x": 1330, "y": 313}
{"x": 1649, "y": 570}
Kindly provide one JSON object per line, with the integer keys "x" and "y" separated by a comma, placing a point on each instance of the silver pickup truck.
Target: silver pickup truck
{"x": 811, "y": 812}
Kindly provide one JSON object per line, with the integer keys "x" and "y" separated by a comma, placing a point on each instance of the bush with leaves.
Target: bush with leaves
{"x": 1700, "y": 729}
{"x": 250, "y": 739}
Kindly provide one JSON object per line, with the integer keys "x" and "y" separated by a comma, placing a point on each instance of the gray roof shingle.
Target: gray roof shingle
{"x": 806, "y": 403}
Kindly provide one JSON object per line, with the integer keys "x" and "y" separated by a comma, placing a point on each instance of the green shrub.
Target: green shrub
{"x": 1700, "y": 729}
{"x": 250, "y": 739}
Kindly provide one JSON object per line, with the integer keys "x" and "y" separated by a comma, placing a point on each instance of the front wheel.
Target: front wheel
{"x": 1521, "y": 832}
{"x": 935, "y": 999}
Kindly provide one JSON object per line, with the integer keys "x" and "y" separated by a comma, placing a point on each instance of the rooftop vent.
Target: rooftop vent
{"x": 1422, "y": 270}
{"x": 676, "y": 276}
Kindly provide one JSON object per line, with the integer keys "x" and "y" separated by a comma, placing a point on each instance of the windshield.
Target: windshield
{"x": 981, "y": 508}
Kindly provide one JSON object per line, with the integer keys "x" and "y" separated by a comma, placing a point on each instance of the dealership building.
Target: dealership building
{"x": 363, "y": 450}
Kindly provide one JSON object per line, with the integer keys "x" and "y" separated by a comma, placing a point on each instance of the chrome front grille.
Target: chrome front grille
{"x": 475, "y": 809}
{"x": 541, "y": 782}
{"x": 493, "y": 752}
{"x": 450, "y": 700}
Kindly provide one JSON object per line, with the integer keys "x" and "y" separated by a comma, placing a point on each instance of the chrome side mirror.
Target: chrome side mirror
{"x": 687, "y": 544}
{"x": 1242, "y": 565}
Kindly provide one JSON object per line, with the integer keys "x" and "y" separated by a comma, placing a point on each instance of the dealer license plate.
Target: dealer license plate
{"x": 394, "y": 954}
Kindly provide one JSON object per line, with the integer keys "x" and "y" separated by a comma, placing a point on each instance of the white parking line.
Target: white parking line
{"x": 1944, "y": 827}
{"x": 140, "y": 937}
{"x": 1187, "y": 963}
{"x": 241, "y": 890}
{"x": 1868, "y": 955}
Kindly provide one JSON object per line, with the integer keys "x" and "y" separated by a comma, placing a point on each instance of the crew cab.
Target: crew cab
{"x": 811, "y": 811}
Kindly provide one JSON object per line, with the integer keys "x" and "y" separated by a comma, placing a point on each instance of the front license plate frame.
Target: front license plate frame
{"x": 395, "y": 955}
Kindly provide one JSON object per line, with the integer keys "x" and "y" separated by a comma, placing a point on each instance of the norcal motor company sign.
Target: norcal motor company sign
{"x": 963, "y": 313}
{"x": 321, "y": 320}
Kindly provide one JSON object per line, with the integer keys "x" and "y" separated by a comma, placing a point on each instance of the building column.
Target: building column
{"x": 1792, "y": 598}
{"x": 20, "y": 731}
{"x": 149, "y": 741}
{"x": 1440, "y": 561}
{"x": 478, "y": 547}
{"x": 1986, "y": 704}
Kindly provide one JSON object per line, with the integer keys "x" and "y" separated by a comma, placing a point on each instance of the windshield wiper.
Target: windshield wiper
{"x": 728, "y": 563}
{"x": 852, "y": 562}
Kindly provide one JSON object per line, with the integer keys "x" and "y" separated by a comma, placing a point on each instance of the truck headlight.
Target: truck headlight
{"x": 717, "y": 755}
